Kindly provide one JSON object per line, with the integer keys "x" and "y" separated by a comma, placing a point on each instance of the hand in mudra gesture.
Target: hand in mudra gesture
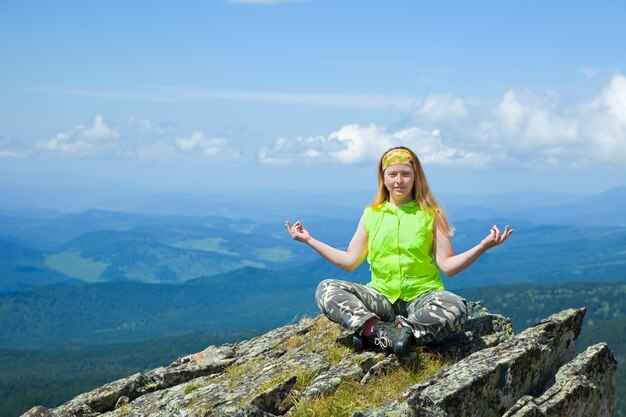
{"x": 495, "y": 238}
{"x": 297, "y": 231}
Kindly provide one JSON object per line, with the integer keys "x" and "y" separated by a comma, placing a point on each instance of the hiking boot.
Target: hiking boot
{"x": 358, "y": 342}
{"x": 392, "y": 338}
{"x": 354, "y": 341}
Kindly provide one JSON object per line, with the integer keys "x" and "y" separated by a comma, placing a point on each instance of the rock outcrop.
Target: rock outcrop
{"x": 484, "y": 371}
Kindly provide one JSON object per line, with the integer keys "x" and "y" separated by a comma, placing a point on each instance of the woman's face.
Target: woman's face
{"x": 399, "y": 182}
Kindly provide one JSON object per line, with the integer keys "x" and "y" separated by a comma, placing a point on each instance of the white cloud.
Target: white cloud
{"x": 532, "y": 120}
{"x": 360, "y": 144}
{"x": 535, "y": 130}
{"x": 83, "y": 139}
{"x": 177, "y": 94}
{"x": 606, "y": 123}
{"x": 355, "y": 144}
{"x": 137, "y": 138}
{"x": 208, "y": 146}
{"x": 144, "y": 138}
{"x": 613, "y": 99}
{"x": 99, "y": 130}
{"x": 301, "y": 150}
{"x": 442, "y": 106}
{"x": 145, "y": 126}
{"x": 528, "y": 130}
{"x": 370, "y": 101}
{"x": 6, "y": 153}
{"x": 10, "y": 149}
{"x": 510, "y": 111}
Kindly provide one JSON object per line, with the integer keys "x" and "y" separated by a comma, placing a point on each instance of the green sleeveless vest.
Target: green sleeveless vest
{"x": 400, "y": 251}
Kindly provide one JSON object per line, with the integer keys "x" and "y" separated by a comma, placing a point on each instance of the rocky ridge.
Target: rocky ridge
{"x": 484, "y": 371}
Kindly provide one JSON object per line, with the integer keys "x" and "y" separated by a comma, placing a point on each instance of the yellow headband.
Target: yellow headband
{"x": 397, "y": 156}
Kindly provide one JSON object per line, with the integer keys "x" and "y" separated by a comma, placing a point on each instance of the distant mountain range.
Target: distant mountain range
{"x": 167, "y": 252}
{"x": 582, "y": 238}
{"x": 604, "y": 209}
{"x": 277, "y": 205}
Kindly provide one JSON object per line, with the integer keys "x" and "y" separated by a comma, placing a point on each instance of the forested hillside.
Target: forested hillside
{"x": 116, "y": 312}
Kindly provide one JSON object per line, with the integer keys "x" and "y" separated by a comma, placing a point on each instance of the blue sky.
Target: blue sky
{"x": 232, "y": 95}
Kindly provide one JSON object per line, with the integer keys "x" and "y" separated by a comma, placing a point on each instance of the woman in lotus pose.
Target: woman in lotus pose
{"x": 406, "y": 238}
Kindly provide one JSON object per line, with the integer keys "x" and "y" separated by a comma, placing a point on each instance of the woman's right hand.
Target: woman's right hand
{"x": 495, "y": 238}
{"x": 298, "y": 232}
{"x": 344, "y": 259}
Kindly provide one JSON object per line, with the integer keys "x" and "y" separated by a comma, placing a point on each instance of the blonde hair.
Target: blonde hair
{"x": 421, "y": 191}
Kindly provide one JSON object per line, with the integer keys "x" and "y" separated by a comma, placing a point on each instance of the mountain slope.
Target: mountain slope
{"x": 21, "y": 267}
{"x": 129, "y": 311}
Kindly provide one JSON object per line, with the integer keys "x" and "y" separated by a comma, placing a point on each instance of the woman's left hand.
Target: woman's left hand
{"x": 495, "y": 238}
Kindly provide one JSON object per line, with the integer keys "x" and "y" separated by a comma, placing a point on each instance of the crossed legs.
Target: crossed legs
{"x": 431, "y": 316}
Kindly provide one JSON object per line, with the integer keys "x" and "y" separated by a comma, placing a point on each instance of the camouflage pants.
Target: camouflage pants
{"x": 432, "y": 315}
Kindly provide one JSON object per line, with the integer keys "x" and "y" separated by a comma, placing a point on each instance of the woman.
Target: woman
{"x": 406, "y": 238}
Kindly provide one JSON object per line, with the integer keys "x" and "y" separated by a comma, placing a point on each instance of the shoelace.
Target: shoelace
{"x": 383, "y": 341}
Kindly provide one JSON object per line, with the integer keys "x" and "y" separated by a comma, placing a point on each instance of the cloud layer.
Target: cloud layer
{"x": 520, "y": 128}
{"x": 198, "y": 142}
{"x": 82, "y": 139}
{"x": 137, "y": 137}
{"x": 355, "y": 144}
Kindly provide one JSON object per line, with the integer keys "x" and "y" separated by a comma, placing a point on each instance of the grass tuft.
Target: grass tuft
{"x": 352, "y": 396}
{"x": 191, "y": 388}
{"x": 320, "y": 338}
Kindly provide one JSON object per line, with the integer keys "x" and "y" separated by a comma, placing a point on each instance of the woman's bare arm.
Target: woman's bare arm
{"x": 347, "y": 260}
{"x": 451, "y": 264}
